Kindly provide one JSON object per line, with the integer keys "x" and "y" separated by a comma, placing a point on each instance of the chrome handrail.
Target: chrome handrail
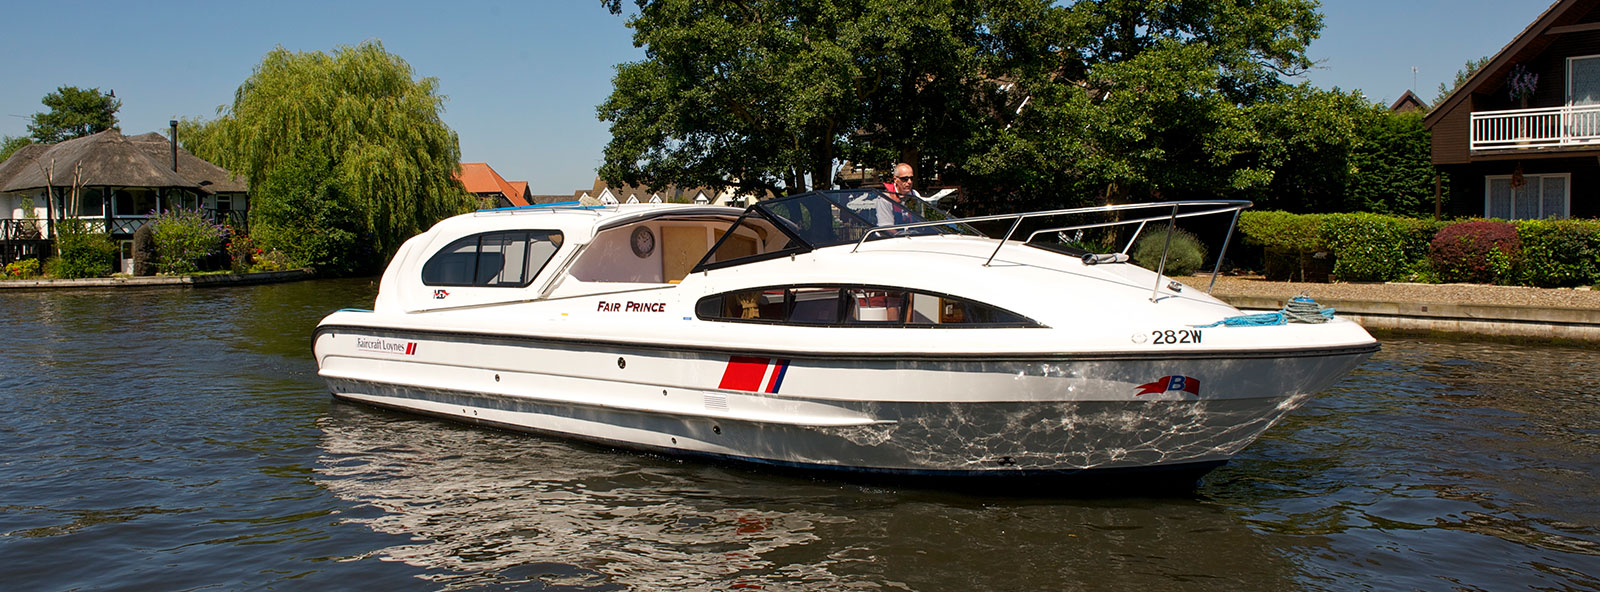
{"x": 1219, "y": 206}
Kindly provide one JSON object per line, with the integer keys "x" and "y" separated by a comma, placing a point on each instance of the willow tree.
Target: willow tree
{"x": 345, "y": 153}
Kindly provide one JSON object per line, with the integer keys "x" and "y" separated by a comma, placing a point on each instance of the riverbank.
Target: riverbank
{"x": 195, "y": 281}
{"x": 1506, "y": 311}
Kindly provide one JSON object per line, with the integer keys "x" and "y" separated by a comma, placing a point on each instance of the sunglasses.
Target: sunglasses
{"x": 904, "y": 178}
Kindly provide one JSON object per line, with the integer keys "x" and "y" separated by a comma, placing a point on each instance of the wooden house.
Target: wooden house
{"x": 1521, "y": 138}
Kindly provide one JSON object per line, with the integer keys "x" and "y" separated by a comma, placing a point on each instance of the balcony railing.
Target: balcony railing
{"x": 1536, "y": 128}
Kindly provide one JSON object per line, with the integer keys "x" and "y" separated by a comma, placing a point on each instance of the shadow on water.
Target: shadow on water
{"x": 181, "y": 439}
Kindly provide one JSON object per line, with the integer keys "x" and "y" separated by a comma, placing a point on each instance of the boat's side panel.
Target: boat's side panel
{"x": 953, "y": 415}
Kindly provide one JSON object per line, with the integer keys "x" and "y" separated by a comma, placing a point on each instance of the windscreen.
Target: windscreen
{"x": 826, "y": 218}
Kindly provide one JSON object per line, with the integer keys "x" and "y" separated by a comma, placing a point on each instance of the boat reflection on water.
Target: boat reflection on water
{"x": 494, "y": 508}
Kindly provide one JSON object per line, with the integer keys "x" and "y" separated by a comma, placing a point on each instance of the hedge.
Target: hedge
{"x": 1374, "y": 247}
{"x": 1559, "y": 253}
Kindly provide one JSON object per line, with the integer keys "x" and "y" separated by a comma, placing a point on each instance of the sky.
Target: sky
{"x": 523, "y": 78}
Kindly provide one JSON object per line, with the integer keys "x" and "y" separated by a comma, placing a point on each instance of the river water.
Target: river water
{"x": 177, "y": 439}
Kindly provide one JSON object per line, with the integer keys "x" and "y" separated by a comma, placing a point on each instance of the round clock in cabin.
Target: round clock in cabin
{"x": 644, "y": 242}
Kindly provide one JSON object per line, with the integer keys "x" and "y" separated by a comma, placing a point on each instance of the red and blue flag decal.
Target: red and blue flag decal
{"x": 1167, "y": 384}
{"x": 747, "y": 373}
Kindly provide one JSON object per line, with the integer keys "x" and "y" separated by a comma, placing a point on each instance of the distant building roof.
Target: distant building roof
{"x": 481, "y": 179}
{"x": 644, "y": 193}
{"x": 1407, "y": 103}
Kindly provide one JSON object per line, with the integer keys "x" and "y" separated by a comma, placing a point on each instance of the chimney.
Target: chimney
{"x": 174, "y": 124}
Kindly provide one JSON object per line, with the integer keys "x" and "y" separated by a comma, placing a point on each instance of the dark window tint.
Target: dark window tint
{"x": 855, "y": 305}
{"x": 502, "y": 259}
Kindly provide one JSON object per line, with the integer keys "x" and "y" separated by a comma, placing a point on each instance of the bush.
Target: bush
{"x": 184, "y": 238}
{"x": 1184, "y": 257}
{"x": 1290, "y": 244}
{"x": 1376, "y": 248}
{"x": 1559, "y": 253}
{"x": 273, "y": 260}
{"x": 21, "y": 269}
{"x": 1481, "y": 251}
{"x": 241, "y": 251}
{"x": 84, "y": 254}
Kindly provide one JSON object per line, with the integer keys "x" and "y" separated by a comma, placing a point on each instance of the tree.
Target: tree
{"x": 1466, "y": 71}
{"x": 769, "y": 91}
{"x": 74, "y": 113}
{"x": 346, "y": 154}
{"x": 1310, "y": 137}
{"x": 11, "y": 144}
{"x": 1392, "y": 168}
{"x": 1024, "y": 102}
{"x": 1148, "y": 99}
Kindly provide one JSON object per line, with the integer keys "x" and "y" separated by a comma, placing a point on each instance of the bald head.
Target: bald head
{"x": 903, "y": 176}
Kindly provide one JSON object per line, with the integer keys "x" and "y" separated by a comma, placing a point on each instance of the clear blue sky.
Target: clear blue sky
{"x": 523, "y": 78}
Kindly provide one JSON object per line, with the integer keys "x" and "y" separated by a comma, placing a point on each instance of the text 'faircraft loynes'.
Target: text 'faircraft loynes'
{"x": 800, "y": 333}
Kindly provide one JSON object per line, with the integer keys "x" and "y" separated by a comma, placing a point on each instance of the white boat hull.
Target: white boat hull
{"x": 971, "y": 415}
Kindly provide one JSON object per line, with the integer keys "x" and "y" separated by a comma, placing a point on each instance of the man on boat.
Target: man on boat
{"x": 895, "y": 192}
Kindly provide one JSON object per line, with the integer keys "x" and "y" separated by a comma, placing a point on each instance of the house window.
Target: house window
{"x": 1583, "y": 80}
{"x": 1539, "y": 196}
{"x": 133, "y": 202}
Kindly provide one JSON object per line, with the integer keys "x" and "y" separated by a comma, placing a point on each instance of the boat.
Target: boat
{"x": 841, "y": 331}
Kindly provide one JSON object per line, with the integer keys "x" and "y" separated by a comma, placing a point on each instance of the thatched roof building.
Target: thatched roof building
{"x": 20, "y": 161}
{"x": 210, "y": 177}
{"x": 106, "y": 159}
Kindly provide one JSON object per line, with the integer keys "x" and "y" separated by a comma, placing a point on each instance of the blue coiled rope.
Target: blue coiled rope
{"x": 1300, "y": 309}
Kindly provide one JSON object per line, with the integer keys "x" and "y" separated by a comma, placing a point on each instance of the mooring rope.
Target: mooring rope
{"x": 1299, "y": 309}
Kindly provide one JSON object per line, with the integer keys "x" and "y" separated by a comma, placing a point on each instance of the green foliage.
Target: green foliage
{"x": 1283, "y": 230}
{"x": 1466, "y": 71}
{"x": 1479, "y": 251}
{"x": 1559, "y": 253}
{"x": 1369, "y": 247}
{"x": 272, "y": 261}
{"x": 183, "y": 239}
{"x": 74, "y": 113}
{"x": 1310, "y": 138}
{"x": 1391, "y": 168}
{"x": 21, "y": 269}
{"x": 1185, "y": 256}
{"x": 84, "y": 254}
{"x": 1290, "y": 243}
{"x": 346, "y": 154}
{"x": 11, "y": 144}
{"x": 1022, "y": 102}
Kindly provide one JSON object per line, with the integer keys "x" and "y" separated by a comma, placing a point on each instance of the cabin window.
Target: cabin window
{"x": 870, "y": 306}
{"x": 508, "y": 259}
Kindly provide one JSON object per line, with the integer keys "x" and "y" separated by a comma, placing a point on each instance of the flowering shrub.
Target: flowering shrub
{"x": 1521, "y": 83}
{"x": 273, "y": 260}
{"x": 1480, "y": 251}
{"x": 241, "y": 251}
{"x": 184, "y": 238}
{"x": 22, "y": 269}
